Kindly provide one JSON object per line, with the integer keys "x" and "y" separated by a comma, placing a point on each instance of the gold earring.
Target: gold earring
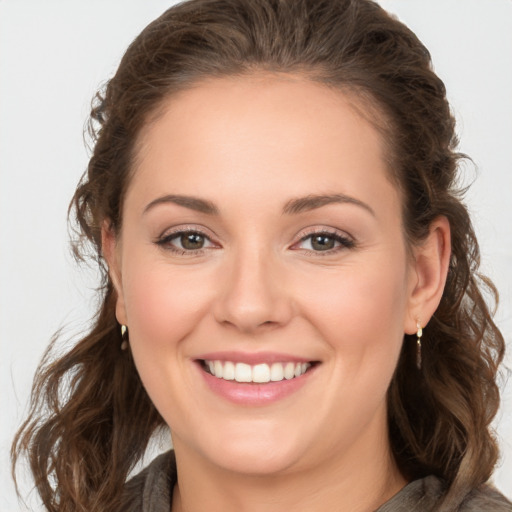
{"x": 124, "y": 336}
{"x": 419, "y": 334}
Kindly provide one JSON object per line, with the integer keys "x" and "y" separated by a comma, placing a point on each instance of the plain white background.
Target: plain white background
{"x": 53, "y": 56}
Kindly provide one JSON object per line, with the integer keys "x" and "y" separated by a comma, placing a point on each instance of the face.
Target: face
{"x": 263, "y": 274}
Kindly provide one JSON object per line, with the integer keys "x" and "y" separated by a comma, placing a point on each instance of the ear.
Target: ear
{"x": 110, "y": 246}
{"x": 431, "y": 259}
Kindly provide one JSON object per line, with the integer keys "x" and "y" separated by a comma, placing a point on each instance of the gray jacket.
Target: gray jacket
{"x": 151, "y": 491}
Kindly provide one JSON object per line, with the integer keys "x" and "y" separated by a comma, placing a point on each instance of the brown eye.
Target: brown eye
{"x": 322, "y": 242}
{"x": 325, "y": 242}
{"x": 183, "y": 242}
{"x": 192, "y": 241}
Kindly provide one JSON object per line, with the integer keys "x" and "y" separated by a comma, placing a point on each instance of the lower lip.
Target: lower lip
{"x": 253, "y": 394}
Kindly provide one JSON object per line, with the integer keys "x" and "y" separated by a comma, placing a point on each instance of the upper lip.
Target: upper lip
{"x": 253, "y": 358}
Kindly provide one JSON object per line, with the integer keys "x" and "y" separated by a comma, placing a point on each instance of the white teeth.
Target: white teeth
{"x": 243, "y": 372}
{"x": 259, "y": 373}
{"x": 276, "y": 372}
{"x": 228, "y": 373}
{"x": 289, "y": 371}
{"x": 217, "y": 367}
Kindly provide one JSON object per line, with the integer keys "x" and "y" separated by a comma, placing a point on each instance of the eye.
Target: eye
{"x": 185, "y": 241}
{"x": 324, "y": 241}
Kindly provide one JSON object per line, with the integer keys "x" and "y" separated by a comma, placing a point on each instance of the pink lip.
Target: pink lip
{"x": 252, "y": 394}
{"x": 252, "y": 358}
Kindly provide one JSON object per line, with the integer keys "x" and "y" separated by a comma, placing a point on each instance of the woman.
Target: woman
{"x": 290, "y": 277}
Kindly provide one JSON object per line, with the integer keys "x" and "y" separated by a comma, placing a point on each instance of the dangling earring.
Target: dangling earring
{"x": 419, "y": 334}
{"x": 124, "y": 336}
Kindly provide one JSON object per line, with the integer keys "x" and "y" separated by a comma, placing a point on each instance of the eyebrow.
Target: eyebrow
{"x": 312, "y": 202}
{"x": 193, "y": 203}
{"x": 292, "y": 207}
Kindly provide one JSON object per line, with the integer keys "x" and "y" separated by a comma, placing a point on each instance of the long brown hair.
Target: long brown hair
{"x": 91, "y": 419}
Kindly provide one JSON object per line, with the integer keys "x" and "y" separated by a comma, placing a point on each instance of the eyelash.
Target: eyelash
{"x": 344, "y": 242}
{"x": 165, "y": 242}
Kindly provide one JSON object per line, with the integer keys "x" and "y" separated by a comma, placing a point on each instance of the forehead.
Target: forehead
{"x": 240, "y": 98}
{"x": 257, "y": 132}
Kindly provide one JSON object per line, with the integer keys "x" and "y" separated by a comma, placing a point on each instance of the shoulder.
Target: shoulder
{"x": 426, "y": 495}
{"x": 151, "y": 489}
{"x": 484, "y": 499}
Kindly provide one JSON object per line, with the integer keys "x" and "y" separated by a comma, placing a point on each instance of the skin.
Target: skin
{"x": 249, "y": 146}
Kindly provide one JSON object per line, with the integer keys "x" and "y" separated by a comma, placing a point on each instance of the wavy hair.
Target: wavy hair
{"x": 91, "y": 419}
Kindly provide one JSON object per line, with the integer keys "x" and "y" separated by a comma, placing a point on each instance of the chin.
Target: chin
{"x": 260, "y": 450}
{"x": 254, "y": 459}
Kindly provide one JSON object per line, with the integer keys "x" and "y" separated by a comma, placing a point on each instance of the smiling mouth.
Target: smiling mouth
{"x": 258, "y": 373}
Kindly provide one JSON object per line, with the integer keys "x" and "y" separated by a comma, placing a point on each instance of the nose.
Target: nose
{"x": 253, "y": 295}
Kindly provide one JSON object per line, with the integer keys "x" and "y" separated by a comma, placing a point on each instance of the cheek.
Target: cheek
{"x": 162, "y": 304}
{"x": 360, "y": 312}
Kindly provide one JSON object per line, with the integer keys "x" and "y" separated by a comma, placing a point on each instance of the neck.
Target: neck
{"x": 359, "y": 481}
